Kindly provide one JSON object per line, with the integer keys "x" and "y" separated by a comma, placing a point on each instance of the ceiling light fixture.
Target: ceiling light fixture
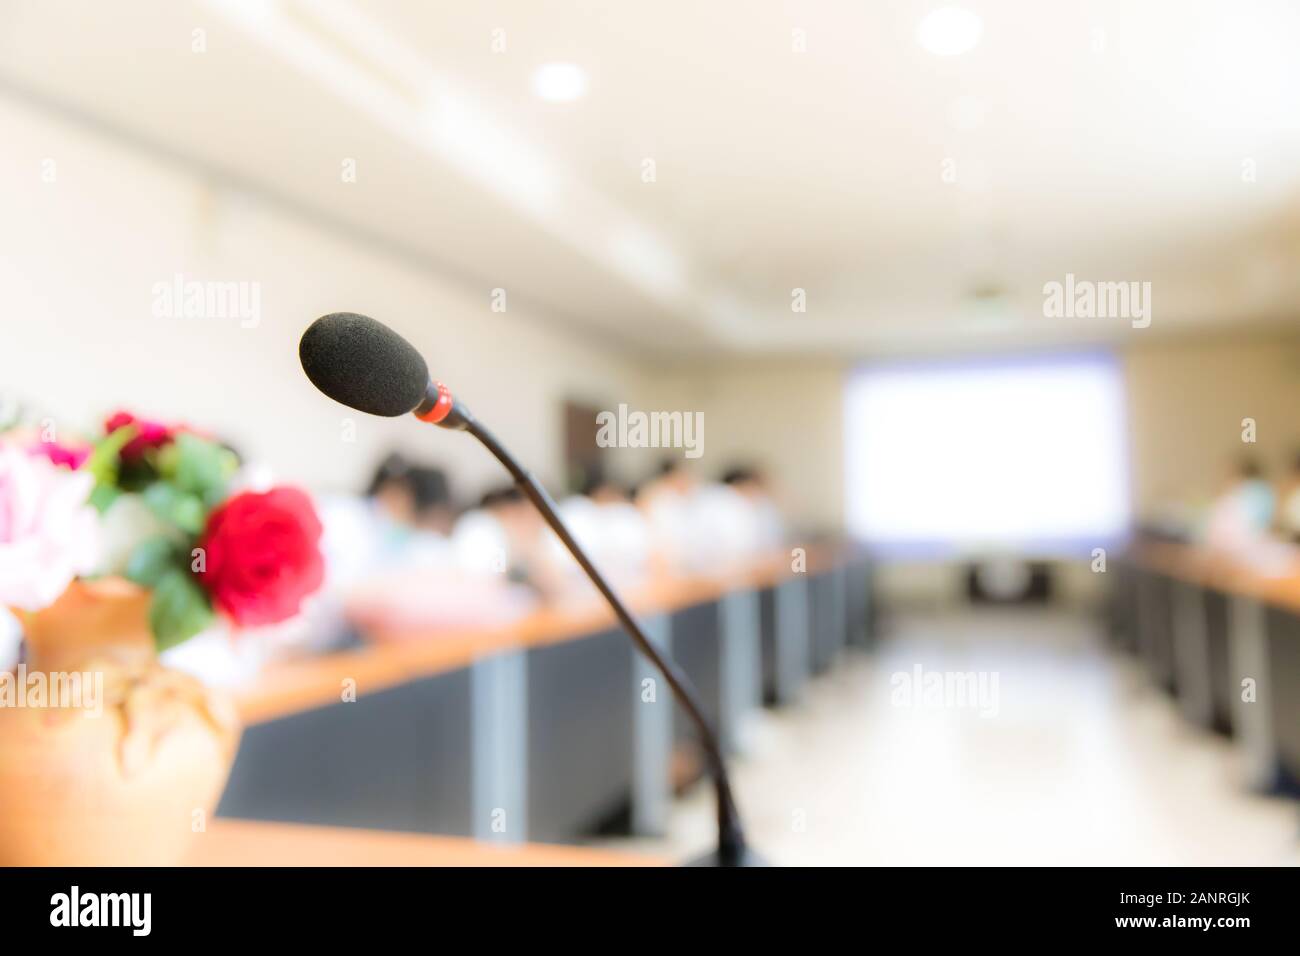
{"x": 559, "y": 82}
{"x": 949, "y": 31}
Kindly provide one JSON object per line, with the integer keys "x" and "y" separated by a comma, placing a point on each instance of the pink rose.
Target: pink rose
{"x": 48, "y": 532}
{"x": 72, "y": 458}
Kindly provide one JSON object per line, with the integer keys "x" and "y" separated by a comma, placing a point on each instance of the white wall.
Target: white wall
{"x": 785, "y": 416}
{"x": 1187, "y": 401}
{"x": 79, "y": 259}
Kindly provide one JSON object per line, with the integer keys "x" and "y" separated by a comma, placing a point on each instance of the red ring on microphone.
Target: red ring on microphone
{"x": 441, "y": 408}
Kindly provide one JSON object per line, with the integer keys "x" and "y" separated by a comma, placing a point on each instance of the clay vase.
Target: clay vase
{"x": 110, "y": 758}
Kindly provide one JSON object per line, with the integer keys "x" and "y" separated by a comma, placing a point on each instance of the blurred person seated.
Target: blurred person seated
{"x": 609, "y": 528}
{"x": 1242, "y": 514}
{"x": 431, "y": 519}
{"x": 700, "y": 528}
{"x": 506, "y": 537}
{"x": 434, "y": 511}
{"x": 665, "y": 501}
{"x": 390, "y": 499}
{"x": 402, "y": 518}
{"x": 769, "y": 523}
{"x": 434, "y": 574}
{"x": 1288, "y": 518}
{"x": 725, "y": 527}
{"x": 391, "y": 568}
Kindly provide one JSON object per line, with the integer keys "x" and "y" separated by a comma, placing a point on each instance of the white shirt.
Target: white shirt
{"x": 1289, "y": 514}
{"x": 480, "y": 543}
{"x": 724, "y": 524}
{"x": 615, "y": 535}
{"x": 713, "y": 526}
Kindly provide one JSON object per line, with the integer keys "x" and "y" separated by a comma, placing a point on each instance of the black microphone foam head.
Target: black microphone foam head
{"x": 363, "y": 364}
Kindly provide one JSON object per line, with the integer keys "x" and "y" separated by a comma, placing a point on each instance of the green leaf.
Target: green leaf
{"x": 104, "y": 457}
{"x": 103, "y": 496}
{"x": 179, "y": 610}
{"x": 197, "y": 466}
{"x": 175, "y": 506}
{"x": 104, "y": 462}
{"x": 151, "y": 560}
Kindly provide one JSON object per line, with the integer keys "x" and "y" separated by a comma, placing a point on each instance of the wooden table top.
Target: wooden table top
{"x": 390, "y": 659}
{"x": 1278, "y": 586}
{"x": 253, "y": 843}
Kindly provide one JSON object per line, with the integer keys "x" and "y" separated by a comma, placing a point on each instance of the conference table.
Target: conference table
{"x": 548, "y": 728}
{"x": 1222, "y": 633}
{"x": 249, "y": 843}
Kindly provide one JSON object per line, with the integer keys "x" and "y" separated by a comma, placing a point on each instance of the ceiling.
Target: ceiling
{"x": 920, "y": 202}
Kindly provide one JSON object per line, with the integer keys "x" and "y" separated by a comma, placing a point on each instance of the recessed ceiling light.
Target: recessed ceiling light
{"x": 559, "y": 82}
{"x": 949, "y": 31}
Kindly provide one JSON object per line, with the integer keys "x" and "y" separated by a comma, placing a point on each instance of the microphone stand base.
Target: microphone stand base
{"x": 746, "y": 857}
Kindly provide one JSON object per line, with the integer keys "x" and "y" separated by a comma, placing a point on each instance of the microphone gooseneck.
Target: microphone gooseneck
{"x": 731, "y": 837}
{"x": 365, "y": 365}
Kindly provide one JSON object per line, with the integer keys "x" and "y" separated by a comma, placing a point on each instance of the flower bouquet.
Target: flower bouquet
{"x": 110, "y": 551}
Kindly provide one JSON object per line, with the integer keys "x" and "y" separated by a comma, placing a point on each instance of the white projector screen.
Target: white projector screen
{"x": 1024, "y": 454}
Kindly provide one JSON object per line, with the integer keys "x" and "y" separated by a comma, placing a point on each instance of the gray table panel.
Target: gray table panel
{"x": 1224, "y": 685}
{"x": 580, "y": 712}
{"x": 767, "y": 638}
{"x": 1283, "y": 701}
{"x": 696, "y": 643}
{"x": 827, "y": 610}
{"x": 398, "y": 759}
{"x": 1155, "y": 627}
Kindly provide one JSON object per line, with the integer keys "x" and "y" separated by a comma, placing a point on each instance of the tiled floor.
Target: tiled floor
{"x": 1069, "y": 758}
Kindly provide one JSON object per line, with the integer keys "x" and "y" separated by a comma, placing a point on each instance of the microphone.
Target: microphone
{"x": 362, "y": 364}
{"x": 367, "y": 366}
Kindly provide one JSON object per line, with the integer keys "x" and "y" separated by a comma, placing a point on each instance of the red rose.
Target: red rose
{"x": 262, "y": 555}
{"x": 149, "y": 434}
